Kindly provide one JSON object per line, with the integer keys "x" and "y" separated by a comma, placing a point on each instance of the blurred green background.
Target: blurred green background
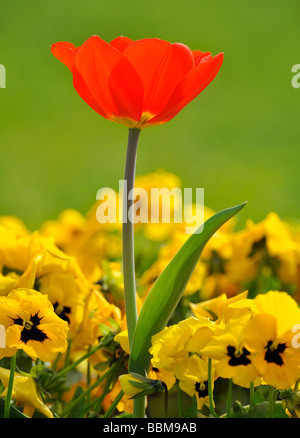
{"x": 239, "y": 139}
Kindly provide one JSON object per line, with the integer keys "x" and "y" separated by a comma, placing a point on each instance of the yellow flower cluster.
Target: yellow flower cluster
{"x": 61, "y": 289}
{"x": 251, "y": 341}
{"x": 47, "y": 302}
{"x": 257, "y": 258}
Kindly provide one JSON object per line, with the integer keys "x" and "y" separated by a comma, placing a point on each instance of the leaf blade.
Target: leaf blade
{"x": 165, "y": 294}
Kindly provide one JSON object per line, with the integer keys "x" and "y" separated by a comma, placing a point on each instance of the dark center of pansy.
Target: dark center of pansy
{"x": 31, "y": 332}
{"x": 202, "y": 389}
{"x": 237, "y": 357}
{"x": 6, "y": 271}
{"x": 62, "y": 311}
{"x": 272, "y": 354}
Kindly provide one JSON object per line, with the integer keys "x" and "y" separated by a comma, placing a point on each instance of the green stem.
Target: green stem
{"x": 128, "y": 234}
{"x": 251, "y": 394}
{"x": 229, "y": 397}
{"x": 180, "y": 409}
{"x": 128, "y": 251}
{"x": 63, "y": 372}
{"x": 72, "y": 404}
{"x": 67, "y": 357}
{"x": 272, "y": 399}
{"x": 113, "y": 406}
{"x": 106, "y": 375}
{"x": 166, "y": 402}
{"x": 97, "y": 404}
{"x": 139, "y": 407}
{"x": 10, "y": 386}
{"x": 55, "y": 363}
{"x": 88, "y": 378}
{"x": 210, "y": 390}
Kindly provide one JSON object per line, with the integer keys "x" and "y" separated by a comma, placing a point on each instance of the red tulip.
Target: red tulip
{"x": 137, "y": 83}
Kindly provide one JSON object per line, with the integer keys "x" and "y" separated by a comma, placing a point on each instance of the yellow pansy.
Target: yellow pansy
{"x": 86, "y": 239}
{"x": 97, "y": 311}
{"x": 15, "y": 224}
{"x": 35, "y": 262}
{"x": 67, "y": 294}
{"x": 25, "y": 393}
{"x": 270, "y": 245}
{"x": 169, "y": 346}
{"x": 269, "y": 334}
{"x": 32, "y": 325}
{"x": 222, "y": 307}
{"x": 66, "y": 230}
{"x": 193, "y": 378}
{"x": 168, "y": 377}
{"x": 233, "y": 359}
{"x": 165, "y": 182}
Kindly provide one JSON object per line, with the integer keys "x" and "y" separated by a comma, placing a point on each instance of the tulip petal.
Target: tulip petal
{"x": 161, "y": 66}
{"x": 94, "y": 62}
{"x": 121, "y": 43}
{"x": 65, "y": 52}
{"x": 198, "y": 55}
{"x": 189, "y": 88}
{"x": 106, "y": 80}
{"x": 127, "y": 90}
{"x": 137, "y": 83}
{"x": 147, "y": 56}
{"x": 178, "y": 63}
{"x": 85, "y": 93}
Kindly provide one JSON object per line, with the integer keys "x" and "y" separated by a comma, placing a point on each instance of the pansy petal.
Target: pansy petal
{"x": 261, "y": 329}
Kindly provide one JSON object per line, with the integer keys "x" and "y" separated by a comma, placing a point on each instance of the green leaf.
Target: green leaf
{"x": 258, "y": 397}
{"x": 191, "y": 411}
{"x": 79, "y": 408}
{"x": 279, "y": 411}
{"x": 168, "y": 289}
{"x": 14, "y": 412}
{"x": 101, "y": 366}
{"x": 259, "y": 411}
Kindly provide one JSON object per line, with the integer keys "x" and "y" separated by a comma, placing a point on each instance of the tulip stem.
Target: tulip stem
{"x": 128, "y": 251}
{"x": 128, "y": 234}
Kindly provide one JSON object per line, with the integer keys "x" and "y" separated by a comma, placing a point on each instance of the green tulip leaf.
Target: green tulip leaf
{"x": 168, "y": 289}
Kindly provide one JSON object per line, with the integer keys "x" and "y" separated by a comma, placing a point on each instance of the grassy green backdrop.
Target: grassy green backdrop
{"x": 239, "y": 139}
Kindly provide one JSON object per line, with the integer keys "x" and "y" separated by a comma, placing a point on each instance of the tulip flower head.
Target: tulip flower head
{"x": 137, "y": 83}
